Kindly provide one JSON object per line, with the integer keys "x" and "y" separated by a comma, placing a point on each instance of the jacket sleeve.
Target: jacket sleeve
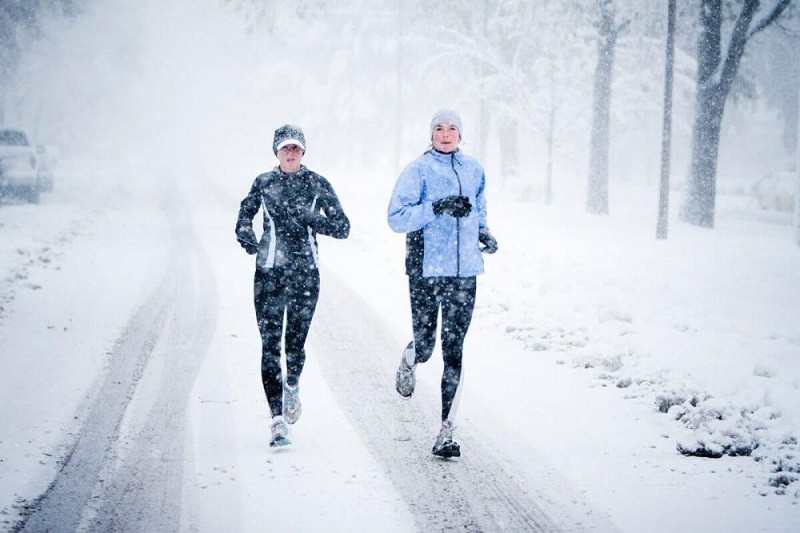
{"x": 480, "y": 201}
{"x": 407, "y": 211}
{"x": 335, "y": 222}
{"x": 247, "y": 210}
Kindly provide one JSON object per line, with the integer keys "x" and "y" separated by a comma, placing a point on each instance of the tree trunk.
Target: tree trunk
{"x": 509, "y": 163}
{"x": 797, "y": 188}
{"x": 483, "y": 103}
{"x": 597, "y": 198}
{"x": 551, "y": 132}
{"x": 791, "y": 125}
{"x": 666, "y": 133}
{"x": 483, "y": 129}
{"x": 714, "y": 81}
{"x": 398, "y": 134}
{"x": 797, "y": 202}
{"x": 700, "y": 200}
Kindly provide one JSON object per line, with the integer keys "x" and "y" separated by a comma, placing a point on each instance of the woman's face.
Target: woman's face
{"x": 446, "y": 138}
{"x": 290, "y": 157}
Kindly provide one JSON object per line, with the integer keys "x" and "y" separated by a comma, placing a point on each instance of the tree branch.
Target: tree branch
{"x": 736, "y": 47}
{"x": 776, "y": 12}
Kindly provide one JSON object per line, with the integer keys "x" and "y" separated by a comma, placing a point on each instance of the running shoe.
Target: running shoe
{"x": 279, "y": 432}
{"x": 445, "y": 446}
{"x": 291, "y": 403}
{"x": 405, "y": 380}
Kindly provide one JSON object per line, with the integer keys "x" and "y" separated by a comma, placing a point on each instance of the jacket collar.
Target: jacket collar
{"x": 447, "y": 157}
{"x": 302, "y": 170}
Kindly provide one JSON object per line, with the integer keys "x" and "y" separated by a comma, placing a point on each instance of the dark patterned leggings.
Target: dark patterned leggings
{"x": 456, "y": 298}
{"x": 294, "y": 292}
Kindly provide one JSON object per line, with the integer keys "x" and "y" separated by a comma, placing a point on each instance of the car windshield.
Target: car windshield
{"x": 13, "y": 138}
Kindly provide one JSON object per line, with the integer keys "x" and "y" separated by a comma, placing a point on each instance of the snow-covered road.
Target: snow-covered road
{"x": 124, "y": 465}
{"x": 127, "y": 458}
{"x": 357, "y": 441}
{"x": 130, "y": 375}
{"x": 143, "y": 482}
{"x": 130, "y": 391}
{"x": 473, "y": 493}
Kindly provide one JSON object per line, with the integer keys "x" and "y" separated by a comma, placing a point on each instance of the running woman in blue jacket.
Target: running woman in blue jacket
{"x": 439, "y": 203}
{"x": 297, "y": 205}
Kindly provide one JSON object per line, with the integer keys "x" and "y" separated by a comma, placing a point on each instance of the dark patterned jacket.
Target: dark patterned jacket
{"x": 296, "y": 207}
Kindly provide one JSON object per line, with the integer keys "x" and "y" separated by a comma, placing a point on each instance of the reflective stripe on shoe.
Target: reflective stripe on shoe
{"x": 279, "y": 431}
{"x": 292, "y": 408}
{"x": 445, "y": 446}
{"x": 405, "y": 381}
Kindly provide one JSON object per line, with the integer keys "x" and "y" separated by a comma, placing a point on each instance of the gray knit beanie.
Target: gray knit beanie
{"x": 446, "y": 116}
{"x": 288, "y": 134}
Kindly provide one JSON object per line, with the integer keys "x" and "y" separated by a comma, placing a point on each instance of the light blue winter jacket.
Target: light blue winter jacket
{"x": 448, "y": 245}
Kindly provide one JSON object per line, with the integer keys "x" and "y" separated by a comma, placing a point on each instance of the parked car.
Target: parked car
{"x": 47, "y": 158}
{"x": 776, "y": 191}
{"x": 19, "y": 166}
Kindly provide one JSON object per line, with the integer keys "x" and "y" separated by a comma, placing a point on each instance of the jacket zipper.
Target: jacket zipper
{"x": 458, "y": 220}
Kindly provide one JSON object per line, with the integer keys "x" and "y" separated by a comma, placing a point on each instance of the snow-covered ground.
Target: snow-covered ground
{"x": 596, "y": 355}
{"x": 611, "y": 382}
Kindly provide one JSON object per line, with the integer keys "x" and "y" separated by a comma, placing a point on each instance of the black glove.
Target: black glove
{"x": 456, "y": 206}
{"x": 487, "y": 240}
{"x": 247, "y": 238}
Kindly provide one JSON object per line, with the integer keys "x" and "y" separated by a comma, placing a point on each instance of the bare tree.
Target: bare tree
{"x": 715, "y": 77}
{"x": 19, "y": 21}
{"x": 15, "y": 18}
{"x": 797, "y": 191}
{"x": 666, "y": 141}
{"x": 608, "y": 32}
{"x": 775, "y": 63}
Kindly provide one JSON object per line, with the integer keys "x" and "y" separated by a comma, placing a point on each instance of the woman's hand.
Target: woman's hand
{"x": 487, "y": 240}
{"x": 247, "y": 238}
{"x": 456, "y": 206}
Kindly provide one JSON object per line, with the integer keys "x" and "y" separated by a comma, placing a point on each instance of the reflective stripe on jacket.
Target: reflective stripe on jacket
{"x": 285, "y": 242}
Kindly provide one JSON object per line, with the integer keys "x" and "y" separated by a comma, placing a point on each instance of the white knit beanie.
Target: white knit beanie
{"x": 446, "y": 116}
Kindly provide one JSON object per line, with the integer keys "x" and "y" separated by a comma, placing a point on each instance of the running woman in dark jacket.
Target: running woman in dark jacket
{"x": 438, "y": 202}
{"x": 297, "y": 205}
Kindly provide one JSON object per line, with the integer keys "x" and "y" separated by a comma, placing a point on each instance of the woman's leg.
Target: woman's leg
{"x": 270, "y": 301}
{"x": 302, "y": 302}
{"x": 424, "y": 310}
{"x": 458, "y": 302}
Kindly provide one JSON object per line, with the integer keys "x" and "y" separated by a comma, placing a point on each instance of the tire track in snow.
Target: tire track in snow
{"x": 144, "y": 482}
{"x": 105, "y": 484}
{"x": 60, "y": 508}
{"x": 358, "y": 358}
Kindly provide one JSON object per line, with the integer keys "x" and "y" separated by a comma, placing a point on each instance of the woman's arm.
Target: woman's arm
{"x": 335, "y": 222}
{"x": 407, "y": 211}
{"x": 247, "y": 210}
{"x": 480, "y": 201}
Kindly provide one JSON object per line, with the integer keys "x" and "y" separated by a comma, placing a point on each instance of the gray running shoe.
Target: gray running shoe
{"x": 291, "y": 403}
{"x": 279, "y": 432}
{"x": 445, "y": 446}
{"x": 405, "y": 380}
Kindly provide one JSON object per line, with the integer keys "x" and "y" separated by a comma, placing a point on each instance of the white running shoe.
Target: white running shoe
{"x": 279, "y": 432}
{"x": 405, "y": 380}
{"x": 291, "y": 403}
{"x": 445, "y": 446}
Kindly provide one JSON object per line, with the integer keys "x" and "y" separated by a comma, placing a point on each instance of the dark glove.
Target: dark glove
{"x": 247, "y": 238}
{"x": 487, "y": 240}
{"x": 456, "y": 206}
